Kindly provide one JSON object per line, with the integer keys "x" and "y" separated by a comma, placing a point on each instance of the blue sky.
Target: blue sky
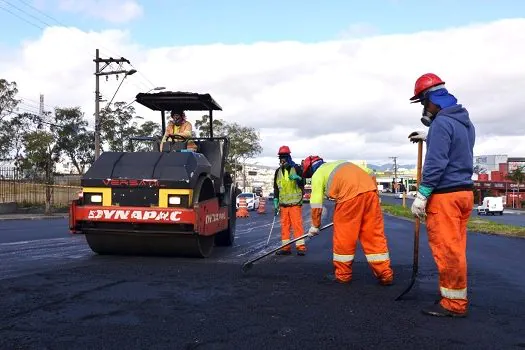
{"x": 186, "y": 22}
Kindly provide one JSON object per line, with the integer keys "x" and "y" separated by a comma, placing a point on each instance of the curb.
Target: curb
{"x": 43, "y": 217}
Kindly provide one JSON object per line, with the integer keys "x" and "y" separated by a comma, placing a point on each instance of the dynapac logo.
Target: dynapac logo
{"x": 131, "y": 182}
{"x": 140, "y": 215}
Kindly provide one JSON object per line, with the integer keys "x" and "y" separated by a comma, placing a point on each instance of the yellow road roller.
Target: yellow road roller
{"x": 163, "y": 202}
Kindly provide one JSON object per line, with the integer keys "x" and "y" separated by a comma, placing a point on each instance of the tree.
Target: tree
{"x": 517, "y": 175}
{"x": 40, "y": 156}
{"x": 147, "y": 129}
{"x": 203, "y": 126}
{"x": 117, "y": 126}
{"x": 75, "y": 142}
{"x": 245, "y": 143}
{"x": 15, "y": 130}
{"x": 8, "y": 104}
{"x": 8, "y": 101}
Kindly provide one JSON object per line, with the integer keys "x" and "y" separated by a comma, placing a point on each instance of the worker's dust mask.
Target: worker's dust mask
{"x": 427, "y": 117}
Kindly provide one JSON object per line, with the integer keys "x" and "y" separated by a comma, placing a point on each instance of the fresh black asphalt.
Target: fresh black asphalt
{"x": 56, "y": 294}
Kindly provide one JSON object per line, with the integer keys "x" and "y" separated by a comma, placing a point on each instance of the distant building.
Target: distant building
{"x": 492, "y": 179}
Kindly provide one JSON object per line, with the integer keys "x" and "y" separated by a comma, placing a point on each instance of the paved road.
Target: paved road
{"x": 30, "y": 230}
{"x": 56, "y": 294}
{"x": 507, "y": 218}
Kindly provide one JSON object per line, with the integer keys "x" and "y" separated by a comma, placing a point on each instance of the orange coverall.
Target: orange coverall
{"x": 357, "y": 215}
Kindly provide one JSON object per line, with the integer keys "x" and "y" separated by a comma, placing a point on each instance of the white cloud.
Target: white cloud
{"x": 339, "y": 99}
{"x": 116, "y": 11}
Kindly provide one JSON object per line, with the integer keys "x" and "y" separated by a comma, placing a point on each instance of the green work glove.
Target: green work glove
{"x": 276, "y": 205}
{"x": 294, "y": 177}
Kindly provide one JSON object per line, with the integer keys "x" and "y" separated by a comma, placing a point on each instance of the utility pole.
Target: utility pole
{"x": 99, "y": 71}
{"x": 395, "y": 172}
{"x": 41, "y": 109}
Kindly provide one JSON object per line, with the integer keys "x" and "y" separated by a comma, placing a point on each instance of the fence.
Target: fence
{"x": 27, "y": 189}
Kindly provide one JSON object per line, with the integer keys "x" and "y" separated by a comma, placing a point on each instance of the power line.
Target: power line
{"x": 30, "y": 15}
{"x": 23, "y": 19}
{"x": 61, "y": 24}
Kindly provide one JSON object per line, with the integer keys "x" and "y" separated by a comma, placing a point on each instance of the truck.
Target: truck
{"x": 491, "y": 206}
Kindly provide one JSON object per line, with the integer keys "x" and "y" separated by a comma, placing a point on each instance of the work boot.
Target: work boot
{"x": 437, "y": 310}
{"x": 301, "y": 252}
{"x": 331, "y": 278}
{"x": 283, "y": 252}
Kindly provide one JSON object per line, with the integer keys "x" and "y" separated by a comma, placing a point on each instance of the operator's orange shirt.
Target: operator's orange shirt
{"x": 340, "y": 181}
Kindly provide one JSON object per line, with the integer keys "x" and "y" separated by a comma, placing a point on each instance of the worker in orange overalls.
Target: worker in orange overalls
{"x": 445, "y": 194}
{"x": 357, "y": 216}
{"x": 178, "y": 125}
{"x": 288, "y": 187}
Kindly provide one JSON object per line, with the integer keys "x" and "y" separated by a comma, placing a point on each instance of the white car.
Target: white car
{"x": 252, "y": 200}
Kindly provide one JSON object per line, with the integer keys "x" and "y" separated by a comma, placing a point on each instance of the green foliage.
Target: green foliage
{"x": 474, "y": 225}
{"x": 245, "y": 142}
{"x": 117, "y": 126}
{"x": 8, "y": 104}
{"x": 75, "y": 142}
{"x": 203, "y": 125}
{"x": 517, "y": 175}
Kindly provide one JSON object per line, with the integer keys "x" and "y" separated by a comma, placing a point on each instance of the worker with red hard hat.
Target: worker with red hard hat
{"x": 357, "y": 216}
{"x": 445, "y": 194}
{"x": 288, "y": 201}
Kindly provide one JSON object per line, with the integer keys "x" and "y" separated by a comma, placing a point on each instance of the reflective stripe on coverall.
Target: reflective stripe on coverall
{"x": 290, "y": 195}
{"x": 447, "y": 218}
{"x": 357, "y": 215}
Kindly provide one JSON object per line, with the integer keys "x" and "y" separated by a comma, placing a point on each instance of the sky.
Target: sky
{"x": 332, "y": 79}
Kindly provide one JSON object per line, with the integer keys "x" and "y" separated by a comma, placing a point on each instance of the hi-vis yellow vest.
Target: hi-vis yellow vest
{"x": 289, "y": 192}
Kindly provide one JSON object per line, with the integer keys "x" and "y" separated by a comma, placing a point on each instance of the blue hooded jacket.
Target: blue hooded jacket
{"x": 450, "y": 145}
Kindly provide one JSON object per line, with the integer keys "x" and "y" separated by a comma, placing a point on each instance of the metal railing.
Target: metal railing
{"x": 30, "y": 189}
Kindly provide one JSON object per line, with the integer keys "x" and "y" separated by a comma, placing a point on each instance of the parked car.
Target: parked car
{"x": 252, "y": 200}
{"x": 270, "y": 196}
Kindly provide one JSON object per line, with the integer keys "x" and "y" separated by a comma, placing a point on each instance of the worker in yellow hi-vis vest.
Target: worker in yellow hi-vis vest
{"x": 288, "y": 201}
{"x": 178, "y": 125}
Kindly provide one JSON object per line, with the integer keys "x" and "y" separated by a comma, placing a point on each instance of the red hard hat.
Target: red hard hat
{"x": 425, "y": 82}
{"x": 284, "y": 150}
{"x": 308, "y": 161}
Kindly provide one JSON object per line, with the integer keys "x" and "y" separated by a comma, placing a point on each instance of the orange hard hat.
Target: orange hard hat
{"x": 424, "y": 83}
{"x": 284, "y": 150}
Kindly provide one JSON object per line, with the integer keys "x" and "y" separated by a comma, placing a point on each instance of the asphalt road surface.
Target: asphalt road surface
{"x": 56, "y": 294}
{"x": 508, "y": 217}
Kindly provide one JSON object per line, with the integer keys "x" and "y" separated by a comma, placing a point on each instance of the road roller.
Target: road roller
{"x": 164, "y": 202}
